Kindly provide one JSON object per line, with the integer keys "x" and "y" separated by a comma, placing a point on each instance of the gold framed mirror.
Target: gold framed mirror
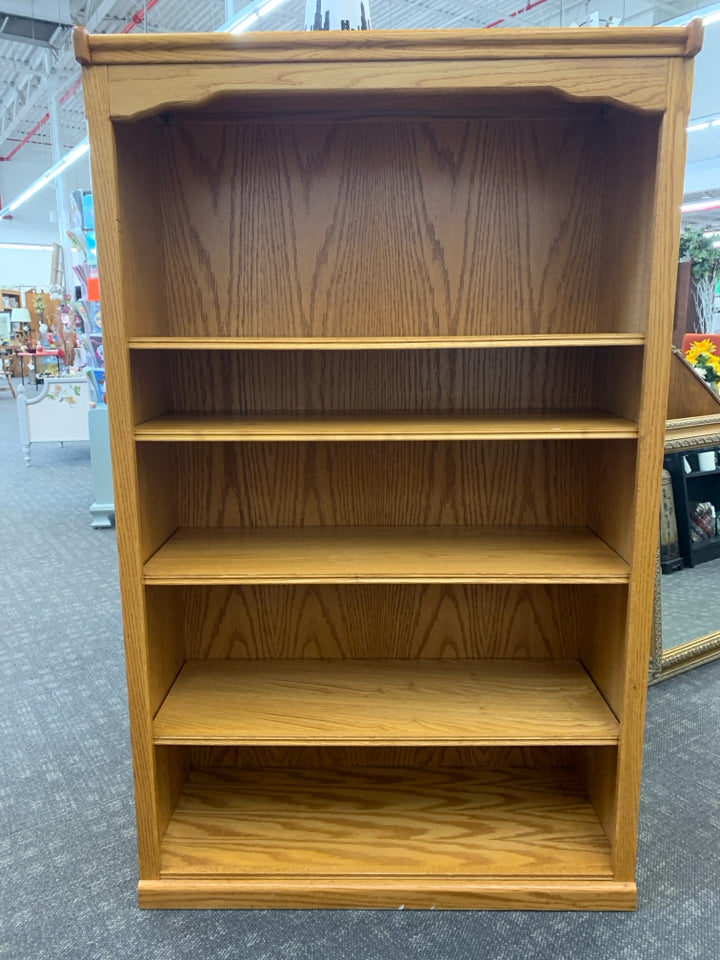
{"x": 687, "y": 601}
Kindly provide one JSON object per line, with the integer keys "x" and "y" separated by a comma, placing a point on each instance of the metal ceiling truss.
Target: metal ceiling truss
{"x": 29, "y": 102}
{"x": 24, "y": 101}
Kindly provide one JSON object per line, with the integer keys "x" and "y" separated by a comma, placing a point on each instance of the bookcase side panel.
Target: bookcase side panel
{"x": 630, "y": 172}
{"x": 602, "y": 648}
{"x": 116, "y": 278}
{"x": 139, "y": 225}
{"x": 665, "y": 234}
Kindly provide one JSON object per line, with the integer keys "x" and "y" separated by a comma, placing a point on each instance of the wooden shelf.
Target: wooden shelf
{"x": 519, "y": 341}
{"x": 449, "y": 554}
{"x": 384, "y": 702}
{"x": 384, "y": 822}
{"x": 563, "y": 424}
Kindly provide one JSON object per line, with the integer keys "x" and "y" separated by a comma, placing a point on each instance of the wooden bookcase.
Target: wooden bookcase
{"x": 387, "y": 328}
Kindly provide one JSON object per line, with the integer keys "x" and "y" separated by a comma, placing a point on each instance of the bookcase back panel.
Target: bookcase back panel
{"x": 385, "y": 621}
{"x": 417, "y": 757}
{"x": 380, "y": 484}
{"x": 375, "y": 380}
{"x": 405, "y": 226}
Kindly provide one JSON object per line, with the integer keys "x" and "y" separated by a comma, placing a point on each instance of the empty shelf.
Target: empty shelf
{"x": 563, "y": 424}
{"x": 384, "y": 702}
{"x": 389, "y": 343}
{"x": 384, "y": 822}
{"x": 443, "y": 554}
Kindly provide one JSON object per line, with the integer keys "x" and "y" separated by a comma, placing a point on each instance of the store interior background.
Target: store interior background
{"x": 56, "y": 488}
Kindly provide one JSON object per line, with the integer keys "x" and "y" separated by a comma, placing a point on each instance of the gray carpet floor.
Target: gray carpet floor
{"x": 67, "y": 844}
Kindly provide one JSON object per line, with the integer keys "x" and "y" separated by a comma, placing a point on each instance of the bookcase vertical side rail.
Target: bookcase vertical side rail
{"x": 127, "y": 499}
{"x": 655, "y": 379}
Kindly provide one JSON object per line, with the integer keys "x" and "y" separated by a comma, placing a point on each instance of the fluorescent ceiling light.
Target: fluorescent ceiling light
{"x": 245, "y": 23}
{"x": 248, "y": 15}
{"x": 267, "y": 7}
{"x": 703, "y": 123}
{"x": 78, "y": 151}
{"x": 713, "y": 18}
{"x": 25, "y": 246}
{"x": 700, "y": 205}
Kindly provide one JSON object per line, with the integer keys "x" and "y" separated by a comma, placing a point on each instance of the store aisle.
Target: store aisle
{"x": 67, "y": 833}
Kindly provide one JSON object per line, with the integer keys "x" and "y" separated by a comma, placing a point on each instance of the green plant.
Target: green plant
{"x": 699, "y": 248}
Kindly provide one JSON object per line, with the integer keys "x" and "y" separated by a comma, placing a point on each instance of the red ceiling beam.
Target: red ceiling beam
{"x": 528, "y": 6}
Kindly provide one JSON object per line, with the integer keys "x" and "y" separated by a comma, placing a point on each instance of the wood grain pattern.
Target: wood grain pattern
{"x": 519, "y": 341}
{"x": 352, "y": 225}
{"x": 140, "y": 89}
{"x": 382, "y": 484}
{"x": 266, "y": 757}
{"x": 689, "y": 395}
{"x": 379, "y": 381}
{"x": 152, "y": 794}
{"x": 400, "y": 621}
{"x": 597, "y": 768}
{"x": 602, "y": 645}
{"x": 389, "y": 702}
{"x": 385, "y": 45}
{"x": 662, "y": 260}
{"x": 609, "y": 512}
{"x": 138, "y": 225}
{"x": 383, "y": 426}
{"x": 386, "y": 228}
{"x": 403, "y": 823}
{"x": 160, "y": 516}
{"x": 629, "y": 185}
{"x": 616, "y": 382}
{"x": 385, "y": 554}
{"x": 344, "y": 893}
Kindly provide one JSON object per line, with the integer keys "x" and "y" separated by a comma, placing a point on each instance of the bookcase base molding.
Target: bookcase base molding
{"x": 441, "y": 893}
{"x": 387, "y": 319}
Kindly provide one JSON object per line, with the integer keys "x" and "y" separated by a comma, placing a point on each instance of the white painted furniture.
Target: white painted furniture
{"x": 103, "y": 507}
{"x": 58, "y": 413}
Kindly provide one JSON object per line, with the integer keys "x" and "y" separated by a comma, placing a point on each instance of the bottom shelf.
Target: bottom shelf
{"x": 704, "y": 550}
{"x": 446, "y": 836}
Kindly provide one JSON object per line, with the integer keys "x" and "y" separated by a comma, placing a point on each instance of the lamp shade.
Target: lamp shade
{"x": 20, "y": 315}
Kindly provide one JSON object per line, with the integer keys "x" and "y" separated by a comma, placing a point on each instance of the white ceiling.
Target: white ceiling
{"x": 28, "y": 69}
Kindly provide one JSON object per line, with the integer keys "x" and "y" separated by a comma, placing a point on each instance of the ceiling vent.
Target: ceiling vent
{"x": 41, "y": 33}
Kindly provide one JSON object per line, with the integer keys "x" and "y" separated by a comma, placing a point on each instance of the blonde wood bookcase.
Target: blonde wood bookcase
{"x": 387, "y": 328}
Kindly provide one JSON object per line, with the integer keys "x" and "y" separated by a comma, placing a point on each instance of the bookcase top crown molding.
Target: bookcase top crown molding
{"x": 441, "y": 44}
{"x": 626, "y": 67}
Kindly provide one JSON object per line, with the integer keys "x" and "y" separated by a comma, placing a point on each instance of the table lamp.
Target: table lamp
{"x": 20, "y": 315}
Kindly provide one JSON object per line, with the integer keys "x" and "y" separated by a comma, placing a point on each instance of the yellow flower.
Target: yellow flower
{"x": 698, "y": 347}
{"x": 713, "y": 362}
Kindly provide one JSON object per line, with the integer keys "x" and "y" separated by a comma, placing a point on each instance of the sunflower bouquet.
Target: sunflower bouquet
{"x": 703, "y": 356}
